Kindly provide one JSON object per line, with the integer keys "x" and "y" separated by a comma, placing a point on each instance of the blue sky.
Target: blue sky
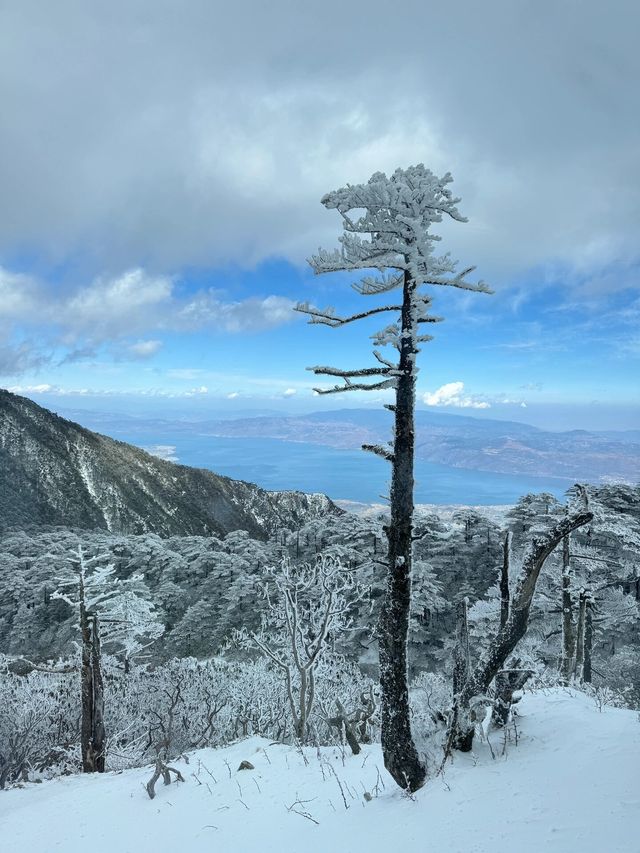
{"x": 162, "y": 176}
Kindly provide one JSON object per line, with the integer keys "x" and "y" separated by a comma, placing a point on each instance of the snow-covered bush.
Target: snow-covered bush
{"x": 308, "y": 608}
{"x": 168, "y": 710}
{"x": 39, "y": 724}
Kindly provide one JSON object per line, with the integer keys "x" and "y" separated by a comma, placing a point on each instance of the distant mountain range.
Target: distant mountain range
{"x": 55, "y": 472}
{"x": 458, "y": 441}
{"x": 477, "y": 444}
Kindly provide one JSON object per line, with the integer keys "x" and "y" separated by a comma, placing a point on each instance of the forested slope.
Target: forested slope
{"x": 55, "y": 472}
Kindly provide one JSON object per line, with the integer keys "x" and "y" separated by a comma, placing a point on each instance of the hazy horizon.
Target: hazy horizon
{"x": 552, "y": 417}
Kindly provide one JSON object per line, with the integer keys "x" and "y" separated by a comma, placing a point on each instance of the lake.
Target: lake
{"x": 342, "y": 474}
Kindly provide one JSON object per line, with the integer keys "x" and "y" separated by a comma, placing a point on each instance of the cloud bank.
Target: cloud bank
{"x": 113, "y": 311}
{"x": 179, "y": 136}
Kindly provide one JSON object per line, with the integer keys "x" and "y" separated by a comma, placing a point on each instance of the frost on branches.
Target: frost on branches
{"x": 307, "y": 607}
{"x": 392, "y": 235}
{"x": 89, "y": 586}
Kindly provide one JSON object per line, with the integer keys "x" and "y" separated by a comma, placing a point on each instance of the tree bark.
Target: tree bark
{"x": 582, "y": 610}
{"x": 92, "y": 734}
{"x": 588, "y": 641}
{"x": 97, "y": 724}
{"x": 568, "y": 634}
{"x": 344, "y": 724}
{"x": 504, "y": 581}
{"x": 398, "y": 747}
{"x": 507, "y": 682}
{"x": 86, "y": 688}
{"x": 461, "y": 659}
{"x": 461, "y": 723}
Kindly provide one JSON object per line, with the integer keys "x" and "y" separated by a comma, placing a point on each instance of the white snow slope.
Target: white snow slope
{"x": 570, "y": 785}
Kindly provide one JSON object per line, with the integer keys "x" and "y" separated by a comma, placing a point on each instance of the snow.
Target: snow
{"x": 569, "y": 785}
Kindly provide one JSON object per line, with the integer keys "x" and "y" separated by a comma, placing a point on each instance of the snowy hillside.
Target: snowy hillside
{"x": 55, "y": 472}
{"x": 569, "y": 785}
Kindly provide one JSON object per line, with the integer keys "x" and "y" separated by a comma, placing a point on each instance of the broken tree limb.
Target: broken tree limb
{"x": 162, "y": 769}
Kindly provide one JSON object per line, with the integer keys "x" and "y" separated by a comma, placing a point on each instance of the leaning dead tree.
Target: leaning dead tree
{"x": 514, "y": 628}
{"x": 507, "y": 681}
{"x": 398, "y": 213}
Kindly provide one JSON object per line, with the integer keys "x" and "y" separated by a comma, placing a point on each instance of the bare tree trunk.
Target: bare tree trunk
{"x": 344, "y": 724}
{"x": 86, "y": 689}
{"x": 461, "y": 726}
{"x": 504, "y": 690}
{"x": 97, "y": 723}
{"x": 507, "y": 682}
{"x": 512, "y": 632}
{"x": 92, "y": 735}
{"x": 568, "y": 634}
{"x": 582, "y": 610}
{"x": 301, "y": 722}
{"x": 398, "y": 747}
{"x": 504, "y": 581}
{"x": 461, "y": 658}
{"x": 588, "y": 641}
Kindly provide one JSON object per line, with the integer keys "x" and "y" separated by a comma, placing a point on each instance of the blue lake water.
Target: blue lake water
{"x": 342, "y": 474}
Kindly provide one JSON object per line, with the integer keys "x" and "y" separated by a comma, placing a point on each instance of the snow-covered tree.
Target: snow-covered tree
{"x": 308, "y": 606}
{"x": 397, "y": 215}
{"x": 117, "y": 609}
{"x": 131, "y": 623}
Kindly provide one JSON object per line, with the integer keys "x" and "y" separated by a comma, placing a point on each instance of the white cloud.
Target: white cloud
{"x": 144, "y": 349}
{"x": 54, "y": 390}
{"x": 249, "y": 315}
{"x": 112, "y": 310}
{"x": 44, "y": 388}
{"x": 233, "y": 395}
{"x": 19, "y": 295}
{"x": 452, "y": 394}
{"x": 289, "y": 392}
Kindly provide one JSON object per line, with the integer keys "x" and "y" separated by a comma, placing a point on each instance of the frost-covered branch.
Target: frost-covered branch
{"x": 309, "y": 606}
{"x": 379, "y": 450}
{"x": 327, "y": 317}
{"x": 357, "y": 386}
{"x": 371, "y": 286}
{"x": 349, "y": 374}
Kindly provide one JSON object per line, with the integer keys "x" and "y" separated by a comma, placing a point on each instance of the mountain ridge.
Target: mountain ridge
{"x": 56, "y": 472}
{"x": 459, "y": 441}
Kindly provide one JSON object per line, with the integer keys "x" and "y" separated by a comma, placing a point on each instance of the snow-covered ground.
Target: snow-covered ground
{"x": 570, "y": 785}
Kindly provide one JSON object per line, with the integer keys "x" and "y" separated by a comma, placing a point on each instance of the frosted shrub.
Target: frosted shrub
{"x": 39, "y": 731}
{"x": 431, "y": 703}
